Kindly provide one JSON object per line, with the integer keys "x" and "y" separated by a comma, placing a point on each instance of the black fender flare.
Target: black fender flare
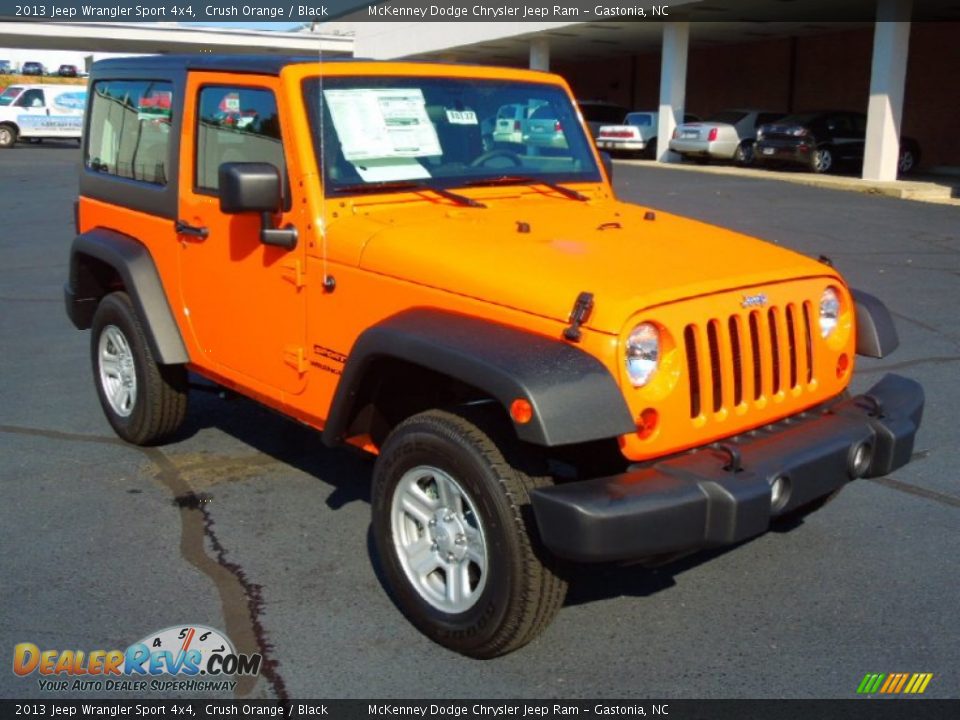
{"x": 133, "y": 263}
{"x": 876, "y": 333}
{"x": 574, "y": 397}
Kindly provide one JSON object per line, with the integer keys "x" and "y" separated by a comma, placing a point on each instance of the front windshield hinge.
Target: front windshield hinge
{"x": 581, "y": 311}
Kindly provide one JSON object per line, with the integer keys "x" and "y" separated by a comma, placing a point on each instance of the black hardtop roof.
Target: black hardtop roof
{"x": 266, "y": 64}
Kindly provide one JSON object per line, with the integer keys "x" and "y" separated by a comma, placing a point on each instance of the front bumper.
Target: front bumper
{"x": 721, "y": 494}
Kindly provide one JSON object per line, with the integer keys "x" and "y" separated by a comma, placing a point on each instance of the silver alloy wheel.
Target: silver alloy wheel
{"x": 905, "y": 164}
{"x": 6, "y": 137}
{"x": 439, "y": 539}
{"x": 118, "y": 376}
{"x": 823, "y": 160}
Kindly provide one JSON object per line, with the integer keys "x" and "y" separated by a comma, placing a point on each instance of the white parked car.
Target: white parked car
{"x": 636, "y": 136}
{"x": 727, "y": 135}
{"x": 41, "y": 111}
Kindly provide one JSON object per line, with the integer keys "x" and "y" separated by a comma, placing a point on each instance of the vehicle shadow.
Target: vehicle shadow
{"x": 349, "y": 472}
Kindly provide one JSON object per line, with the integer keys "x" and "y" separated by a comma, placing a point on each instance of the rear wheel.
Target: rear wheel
{"x": 822, "y": 160}
{"x": 144, "y": 402}
{"x": 8, "y": 136}
{"x": 743, "y": 155}
{"x": 453, "y": 530}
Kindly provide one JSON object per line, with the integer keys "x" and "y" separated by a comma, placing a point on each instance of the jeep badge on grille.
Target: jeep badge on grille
{"x": 749, "y": 301}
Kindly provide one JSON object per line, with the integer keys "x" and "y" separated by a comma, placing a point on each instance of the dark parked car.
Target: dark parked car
{"x": 32, "y": 68}
{"x": 823, "y": 141}
{"x": 68, "y": 71}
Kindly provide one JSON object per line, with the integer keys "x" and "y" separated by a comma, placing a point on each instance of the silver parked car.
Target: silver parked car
{"x": 637, "y": 135}
{"x": 726, "y": 135}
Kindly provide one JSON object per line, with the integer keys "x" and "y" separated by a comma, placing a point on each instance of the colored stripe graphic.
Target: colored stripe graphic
{"x": 894, "y": 683}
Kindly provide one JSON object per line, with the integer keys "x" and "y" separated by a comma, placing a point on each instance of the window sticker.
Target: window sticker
{"x": 461, "y": 117}
{"x": 382, "y": 124}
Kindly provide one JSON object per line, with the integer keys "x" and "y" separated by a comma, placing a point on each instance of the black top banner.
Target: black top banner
{"x": 309, "y": 11}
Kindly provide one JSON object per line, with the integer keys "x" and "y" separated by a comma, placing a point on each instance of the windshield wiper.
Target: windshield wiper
{"x": 528, "y": 180}
{"x": 408, "y": 185}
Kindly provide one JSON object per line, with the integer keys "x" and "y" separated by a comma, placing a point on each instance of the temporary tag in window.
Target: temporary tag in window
{"x": 461, "y": 117}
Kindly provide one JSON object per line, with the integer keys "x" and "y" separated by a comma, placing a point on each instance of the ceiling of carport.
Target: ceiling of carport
{"x": 713, "y": 22}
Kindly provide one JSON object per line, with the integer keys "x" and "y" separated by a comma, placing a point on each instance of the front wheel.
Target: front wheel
{"x": 144, "y": 402}
{"x": 908, "y": 160}
{"x": 453, "y": 530}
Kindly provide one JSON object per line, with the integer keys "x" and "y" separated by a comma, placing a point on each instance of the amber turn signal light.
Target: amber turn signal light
{"x": 521, "y": 411}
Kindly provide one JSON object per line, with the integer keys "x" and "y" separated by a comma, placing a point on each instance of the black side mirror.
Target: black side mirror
{"x": 255, "y": 187}
{"x": 607, "y": 164}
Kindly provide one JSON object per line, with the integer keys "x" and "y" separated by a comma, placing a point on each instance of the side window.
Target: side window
{"x": 130, "y": 129}
{"x": 838, "y": 125}
{"x": 235, "y": 124}
{"x": 32, "y": 98}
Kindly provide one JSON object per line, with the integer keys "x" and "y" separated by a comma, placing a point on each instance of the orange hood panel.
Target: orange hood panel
{"x": 567, "y": 247}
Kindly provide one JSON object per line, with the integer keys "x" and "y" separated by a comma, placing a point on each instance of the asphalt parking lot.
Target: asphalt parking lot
{"x": 97, "y": 553}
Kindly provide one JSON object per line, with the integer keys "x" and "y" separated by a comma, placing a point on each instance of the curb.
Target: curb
{"x": 901, "y": 189}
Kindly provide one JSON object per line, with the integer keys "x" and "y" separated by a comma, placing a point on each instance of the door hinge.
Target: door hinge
{"x": 294, "y": 357}
{"x": 293, "y": 272}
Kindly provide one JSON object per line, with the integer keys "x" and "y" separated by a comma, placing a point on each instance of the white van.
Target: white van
{"x": 41, "y": 111}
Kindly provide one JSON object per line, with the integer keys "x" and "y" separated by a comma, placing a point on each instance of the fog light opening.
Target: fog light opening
{"x": 861, "y": 457}
{"x": 779, "y": 493}
{"x": 843, "y": 364}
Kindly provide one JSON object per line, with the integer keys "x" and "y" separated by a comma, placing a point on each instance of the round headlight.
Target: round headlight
{"x": 829, "y": 311}
{"x": 643, "y": 353}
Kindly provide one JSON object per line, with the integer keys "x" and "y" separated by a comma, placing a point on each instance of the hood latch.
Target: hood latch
{"x": 581, "y": 311}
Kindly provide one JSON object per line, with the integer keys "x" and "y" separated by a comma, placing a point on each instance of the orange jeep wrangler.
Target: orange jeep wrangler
{"x": 546, "y": 374}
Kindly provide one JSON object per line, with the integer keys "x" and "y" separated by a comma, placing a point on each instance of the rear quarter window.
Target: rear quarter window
{"x": 129, "y": 134}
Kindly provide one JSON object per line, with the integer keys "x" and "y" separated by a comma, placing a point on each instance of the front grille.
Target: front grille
{"x": 748, "y": 356}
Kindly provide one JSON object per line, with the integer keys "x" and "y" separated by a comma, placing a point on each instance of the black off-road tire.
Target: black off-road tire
{"x": 160, "y": 405}
{"x": 523, "y": 592}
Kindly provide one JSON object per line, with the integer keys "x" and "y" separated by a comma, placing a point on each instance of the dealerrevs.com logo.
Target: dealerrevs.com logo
{"x": 200, "y": 657}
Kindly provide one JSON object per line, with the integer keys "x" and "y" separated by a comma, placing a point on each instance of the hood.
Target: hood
{"x": 537, "y": 255}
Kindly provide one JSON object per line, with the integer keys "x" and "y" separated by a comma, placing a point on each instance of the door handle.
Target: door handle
{"x": 184, "y": 228}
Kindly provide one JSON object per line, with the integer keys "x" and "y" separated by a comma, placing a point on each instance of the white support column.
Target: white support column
{"x": 540, "y": 54}
{"x": 673, "y": 83}
{"x": 891, "y": 40}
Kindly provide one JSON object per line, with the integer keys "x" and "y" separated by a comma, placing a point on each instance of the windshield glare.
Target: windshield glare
{"x": 9, "y": 95}
{"x": 445, "y": 132}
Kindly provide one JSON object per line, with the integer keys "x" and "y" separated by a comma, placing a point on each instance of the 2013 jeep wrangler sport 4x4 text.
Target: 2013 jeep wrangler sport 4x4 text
{"x": 546, "y": 374}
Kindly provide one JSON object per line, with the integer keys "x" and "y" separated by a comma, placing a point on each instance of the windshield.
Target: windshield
{"x": 444, "y": 132}
{"x": 9, "y": 95}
